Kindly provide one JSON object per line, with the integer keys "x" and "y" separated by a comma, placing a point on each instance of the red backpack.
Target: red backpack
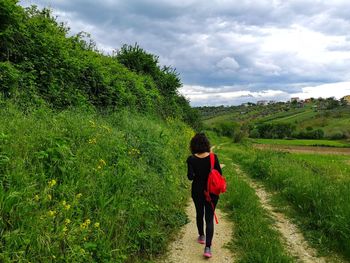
{"x": 216, "y": 183}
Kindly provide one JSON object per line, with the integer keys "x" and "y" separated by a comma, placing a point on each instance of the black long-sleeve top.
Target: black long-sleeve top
{"x": 198, "y": 170}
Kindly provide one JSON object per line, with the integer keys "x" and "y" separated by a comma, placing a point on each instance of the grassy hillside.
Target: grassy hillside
{"x": 79, "y": 187}
{"x": 334, "y": 122}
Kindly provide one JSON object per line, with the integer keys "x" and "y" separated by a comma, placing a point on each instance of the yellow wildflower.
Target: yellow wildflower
{"x": 67, "y": 221}
{"x": 52, "y": 183}
{"x": 82, "y": 251}
{"x": 97, "y": 225}
{"x": 92, "y": 123}
{"x": 102, "y": 162}
{"x": 36, "y": 198}
{"x": 67, "y": 207}
{"x": 65, "y": 229}
{"x": 64, "y": 202}
{"x": 49, "y": 197}
{"x": 99, "y": 167}
{"x": 107, "y": 128}
{"x": 52, "y": 213}
{"x": 85, "y": 224}
{"x": 79, "y": 195}
{"x": 134, "y": 151}
{"x": 92, "y": 141}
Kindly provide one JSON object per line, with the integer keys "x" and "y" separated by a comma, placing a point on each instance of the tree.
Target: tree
{"x": 331, "y": 103}
{"x": 138, "y": 60}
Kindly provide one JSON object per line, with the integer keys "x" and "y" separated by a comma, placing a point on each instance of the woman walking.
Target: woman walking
{"x": 198, "y": 165}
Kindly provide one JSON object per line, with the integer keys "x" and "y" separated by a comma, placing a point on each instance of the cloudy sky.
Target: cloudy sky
{"x": 228, "y": 52}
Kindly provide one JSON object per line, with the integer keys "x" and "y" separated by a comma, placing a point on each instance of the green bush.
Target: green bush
{"x": 274, "y": 130}
{"x": 9, "y": 76}
{"x": 42, "y": 64}
{"x": 311, "y": 134}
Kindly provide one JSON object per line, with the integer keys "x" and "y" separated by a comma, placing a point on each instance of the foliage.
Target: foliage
{"x": 42, "y": 63}
{"x": 79, "y": 187}
{"x": 315, "y": 186}
{"x": 274, "y": 130}
{"x": 311, "y": 134}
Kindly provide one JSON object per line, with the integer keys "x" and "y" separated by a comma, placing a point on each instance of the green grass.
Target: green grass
{"x": 79, "y": 187}
{"x": 305, "y": 115}
{"x": 284, "y": 115}
{"x": 317, "y": 188}
{"x": 300, "y": 142}
{"x": 255, "y": 239}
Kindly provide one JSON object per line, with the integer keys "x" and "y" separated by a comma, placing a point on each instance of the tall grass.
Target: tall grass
{"x": 317, "y": 187}
{"x": 78, "y": 187}
{"x": 255, "y": 238}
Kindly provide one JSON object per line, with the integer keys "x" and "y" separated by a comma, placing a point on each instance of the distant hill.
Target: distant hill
{"x": 327, "y": 115}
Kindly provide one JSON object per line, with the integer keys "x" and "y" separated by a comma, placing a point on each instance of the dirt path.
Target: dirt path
{"x": 304, "y": 149}
{"x": 186, "y": 249}
{"x": 293, "y": 238}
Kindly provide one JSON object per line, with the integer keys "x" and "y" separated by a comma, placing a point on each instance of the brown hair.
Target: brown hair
{"x": 199, "y": 144}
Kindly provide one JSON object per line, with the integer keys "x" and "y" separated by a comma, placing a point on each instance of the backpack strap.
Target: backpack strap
{"x": 212, "y": 161}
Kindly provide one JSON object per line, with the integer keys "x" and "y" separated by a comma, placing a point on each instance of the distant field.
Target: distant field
{"x": 325, "y": 143}
{"x": 335, "y": 123}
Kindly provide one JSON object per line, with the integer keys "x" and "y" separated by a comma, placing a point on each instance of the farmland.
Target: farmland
{"x": 305, "y": 122}
{"x": 296, "y": 142}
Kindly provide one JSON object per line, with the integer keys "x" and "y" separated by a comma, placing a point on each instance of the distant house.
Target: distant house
{"x": 272, "y": 102}
{"x": 347, "y": 99}
{"x": 297, "y": 99}
{"x": 309, "y": 100}
{"x": 262, "y": 102}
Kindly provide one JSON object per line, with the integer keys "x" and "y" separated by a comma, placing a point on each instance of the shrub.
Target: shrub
{"x": 311, "y": 134}
{"x": 275, "y": 130}
{"x": 337, "y": 135}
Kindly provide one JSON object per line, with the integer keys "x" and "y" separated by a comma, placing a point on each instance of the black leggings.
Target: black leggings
{"x": 201, "y": 204}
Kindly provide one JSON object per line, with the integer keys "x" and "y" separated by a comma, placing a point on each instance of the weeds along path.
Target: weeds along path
{"x": 185, "y": 248}
{"x": 292, "y": 237}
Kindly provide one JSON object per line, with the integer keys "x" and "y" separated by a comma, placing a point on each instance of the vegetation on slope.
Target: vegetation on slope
{"x": 78, "y": 187}
{"x": 40, "y": 63}
{"x": 90, "y": 146}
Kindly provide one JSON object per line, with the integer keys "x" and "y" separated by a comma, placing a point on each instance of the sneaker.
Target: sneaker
{"x": 207, "y": 252}
{"x": 201, "y": 239}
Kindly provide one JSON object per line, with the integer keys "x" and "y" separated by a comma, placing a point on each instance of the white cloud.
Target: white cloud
{"x": 228, "y": 64}
{"x": 234, "y": 95}
{"x": 337, "y": 90}
{"x": 228, "y": 95}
